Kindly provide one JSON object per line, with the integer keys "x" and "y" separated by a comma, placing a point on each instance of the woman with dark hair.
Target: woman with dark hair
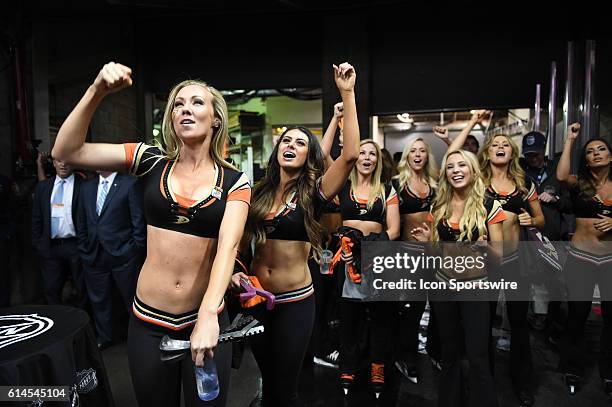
{"x": 590, "y": 255}
{"x": 369, "y": 206}
{"x": 389, "y": 169}
{"x": 461, "y": 212}
{"x": 284, "y": 224}
{"x": 196, "y": 205}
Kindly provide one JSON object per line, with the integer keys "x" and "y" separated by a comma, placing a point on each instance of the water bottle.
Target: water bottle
{"x": 207, "y": 381}
{"x": 326, "y": 258}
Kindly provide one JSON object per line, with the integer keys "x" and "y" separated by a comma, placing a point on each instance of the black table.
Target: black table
{"x": 52, "y": 345}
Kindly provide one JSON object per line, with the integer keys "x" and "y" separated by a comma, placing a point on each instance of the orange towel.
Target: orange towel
{"x": 257, "y": 299}
{"x": 346, "y": 247}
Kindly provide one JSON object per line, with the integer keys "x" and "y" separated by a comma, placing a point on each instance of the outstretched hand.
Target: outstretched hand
{"x": 480, "y": 115}
{"x": 525, "y": 218}
{"x": 112, "y": 78}
{"x": 345, "y": 76}
{"x": 603, "y": 224}
{"x": 421, "y": 233}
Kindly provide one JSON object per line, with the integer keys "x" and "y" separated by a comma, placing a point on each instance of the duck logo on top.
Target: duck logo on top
{"x": 17, "y": 328}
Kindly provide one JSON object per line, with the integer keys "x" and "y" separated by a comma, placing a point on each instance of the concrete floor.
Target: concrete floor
{"x": 319, "y": 386}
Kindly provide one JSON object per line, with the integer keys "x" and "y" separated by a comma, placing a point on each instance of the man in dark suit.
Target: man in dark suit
{"x": 54, "y": 233}
{"x": 112, "y": 237}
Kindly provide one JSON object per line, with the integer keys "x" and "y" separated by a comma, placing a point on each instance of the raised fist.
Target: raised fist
{"x": 112, "y": 78}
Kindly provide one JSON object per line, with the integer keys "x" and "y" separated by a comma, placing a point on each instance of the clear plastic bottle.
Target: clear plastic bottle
{"x": 207, "y": 381}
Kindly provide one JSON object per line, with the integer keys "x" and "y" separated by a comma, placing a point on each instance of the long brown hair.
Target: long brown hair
{"x": 305, "y": 186}
{"x": 586, "y": 180}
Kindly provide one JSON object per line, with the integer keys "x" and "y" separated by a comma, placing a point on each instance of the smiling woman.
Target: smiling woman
{"x": 196, "y": 206}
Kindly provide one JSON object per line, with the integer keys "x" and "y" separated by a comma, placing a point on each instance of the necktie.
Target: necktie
{"x": 102, "y": 197}
{"x": 58, "y": 199}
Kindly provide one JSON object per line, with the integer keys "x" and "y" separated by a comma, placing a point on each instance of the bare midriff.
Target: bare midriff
{"x": 366, "y": 227}
{"x": 511, "y": 232}
{"x": 282, "y": 265}
{"x": 411, "y": 221}
{"x": 591, "y": 240}
{"x": 175, "y": 274}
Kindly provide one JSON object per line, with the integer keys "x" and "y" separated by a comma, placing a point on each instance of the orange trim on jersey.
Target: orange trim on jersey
{"x": 393, "y": 200}
{"x": 533, "y": 197}
{"x": 243, "y": 195}
{"x": 500, "y": 216}
{"x": 607, "y": 202}
{"x": 130, "y": 150}
{"x": 183, "y": 201}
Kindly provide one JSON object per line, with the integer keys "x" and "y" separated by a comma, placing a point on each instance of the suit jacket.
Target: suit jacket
{"x": 120, "y": 229}
{"x": 41, "y": 213}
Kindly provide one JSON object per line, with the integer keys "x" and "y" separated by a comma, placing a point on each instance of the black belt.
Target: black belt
{"x": 65, "y": 240}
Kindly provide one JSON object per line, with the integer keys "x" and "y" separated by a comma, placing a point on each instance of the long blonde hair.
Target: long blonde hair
{"x": 405, "y": 172}
{"x": 378, "y": 187}
{"x": 515, "y": 172}
{"x": 474, "y": 214}
{"x": 172, "y": 144}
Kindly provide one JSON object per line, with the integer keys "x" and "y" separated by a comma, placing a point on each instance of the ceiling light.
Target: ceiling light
{"x": 405, "y": 118}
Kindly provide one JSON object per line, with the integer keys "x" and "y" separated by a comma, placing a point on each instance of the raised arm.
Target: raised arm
{"x": 70, "y": 145}
{"x": 458, "y": 142}
{"x": 335, "y": 177}
{"x": 330, "y": 134}
{"x": 40, "y": 169}
{"x": 564, "y": 165}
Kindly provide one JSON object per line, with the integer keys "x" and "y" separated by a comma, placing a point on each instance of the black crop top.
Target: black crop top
{"x": 410, "y": 202}
{"x": 166, "y": 210}
{"x": 589, "y": 208}
{"x": 514, "y": 201}
{"x": 288, "y": 223}
{"x": 450, "y": 232}
{"x": 353, "y": 208}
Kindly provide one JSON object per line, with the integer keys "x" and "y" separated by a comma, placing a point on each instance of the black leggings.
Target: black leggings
{"x": 280, "y": 350}
{"x": 521, "y": 367}
{"x": 408, "y": 327}
{"x": 159, "y": 384}
{"x": 352, "y": 325}
{"x": 465, "y": 323}
{"x": 581, "y": 276}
